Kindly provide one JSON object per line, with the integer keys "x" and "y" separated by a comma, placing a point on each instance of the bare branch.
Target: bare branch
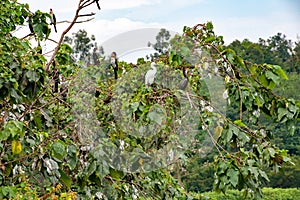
{"x": 77, "y": 22}
{"x": 87, "y": 15}
{"x": 30, "y": 34}
{"x": 87, "y": 3}
{"x": 52, "y": 40}
{"x": 82, "y": 4}
{"x": 48, "y": 52}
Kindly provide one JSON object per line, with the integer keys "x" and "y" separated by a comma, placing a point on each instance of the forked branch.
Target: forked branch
{"x": 81, "y": 5}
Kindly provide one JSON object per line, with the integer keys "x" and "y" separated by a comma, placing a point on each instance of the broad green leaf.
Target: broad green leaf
{"x": 209, "y": 26}
{"x": 239, "y": 123}
{"x": 229, "y": 135}
{"x": 9, "y": 191}
{"x": 38, "y": 29}
{"x": 272, "y": 85}
{"x": 209, "y": 39}
{"x": 116, "y": 174}
{"x": 271, "y": 152}
{"x": 184, "y": 51}
{"x": 233, "y": 176}
{"x": 15, "y": 95}
{"x": 38, "y": 119}
{"x": 218, "y": 131}
{"x": 259, "y": 101}
{"x": 253, "y": 69}
{"x": 59, "y": 150}
{"x": 241, "y": 62}
{"x": 156, "y": 115}
{"x": 4, "y": 134}
{"x": 282, "y": 112}
{"x": 222, "y": 167}
{"x": 65, "y": 178}
{"x": 230, "y": 55}
{"x": 20, "y": 129}
{"x": 272, "y": 76}
{"x": 135, "y": 106}
{"x": 264, "y": 81}
{"x": 91, "y": 168}
{"x": 243, "y": 137}
{"x": 72, "y": 162}
{"x": 12, "y": 128}
{"x": 264, "y": 175}
{"x": 103, "y": 170}
{"x": 32, "y": 76}
{"x": 254, "y": 171}
{"x": 280, "y": 72}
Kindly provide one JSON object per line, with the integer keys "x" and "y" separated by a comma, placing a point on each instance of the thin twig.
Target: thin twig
{"x": 77, "y": 22}
{"x": 52, "y": 40}
{"x": 87, "y": 15}
{"x": 26, "y": 36}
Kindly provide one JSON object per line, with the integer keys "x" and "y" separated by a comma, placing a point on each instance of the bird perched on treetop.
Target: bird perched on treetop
{"x": 53, "y": 19}
{"x": 98, "y": 5}
{"x": 149, "y": 77}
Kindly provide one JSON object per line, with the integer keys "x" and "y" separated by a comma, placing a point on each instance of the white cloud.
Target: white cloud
{"x": 106, "y": 29}
{"x": 127, "y": 37}
{"x": 256, "y": 27}
{"x": 122, "y": 4}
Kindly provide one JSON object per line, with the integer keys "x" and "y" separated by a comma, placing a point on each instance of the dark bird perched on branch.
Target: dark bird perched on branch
{"x": 98, "y": 5}
{"x": 114, "y": 63}
{"x": 55, "y": 77}
{"x": 53, "y": 19}
{"x": 30, "y": 25}
{"x": 185, "y": 80}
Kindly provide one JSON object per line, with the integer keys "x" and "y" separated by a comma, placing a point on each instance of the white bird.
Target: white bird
{"x": 149, "y": 77}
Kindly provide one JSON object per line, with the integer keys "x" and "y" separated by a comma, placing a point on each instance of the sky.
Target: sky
{"x": 233, "y": 19}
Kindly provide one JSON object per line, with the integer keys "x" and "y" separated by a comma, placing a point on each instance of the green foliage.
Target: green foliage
{"x": 40, "y": 25}
{"x": 9, "y": 21}
{"x": 288, "y": 177}
{"x": 277, "y": 50}
{"x": 268, "y": 194}
{"x": 114, "y": 146}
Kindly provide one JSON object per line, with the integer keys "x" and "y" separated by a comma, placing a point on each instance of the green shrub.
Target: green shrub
{"x": 268, "y": 194}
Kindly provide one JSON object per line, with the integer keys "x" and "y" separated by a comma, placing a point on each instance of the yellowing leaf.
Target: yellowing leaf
{"x": 218, "y": 131}
{"x": 16, "y": 147}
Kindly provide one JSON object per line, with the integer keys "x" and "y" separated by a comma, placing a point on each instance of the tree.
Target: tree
{"x": 240, "y": 140}
{"x": 296, "y": 57}
{"x": 249, "y": 51}
{"x": 83, "y": 46}
{"x": 277, "y": 50}
{"x": 115, "y": 146}
{"x": 162, "y": 43}
{"x": 280, "y": 46}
